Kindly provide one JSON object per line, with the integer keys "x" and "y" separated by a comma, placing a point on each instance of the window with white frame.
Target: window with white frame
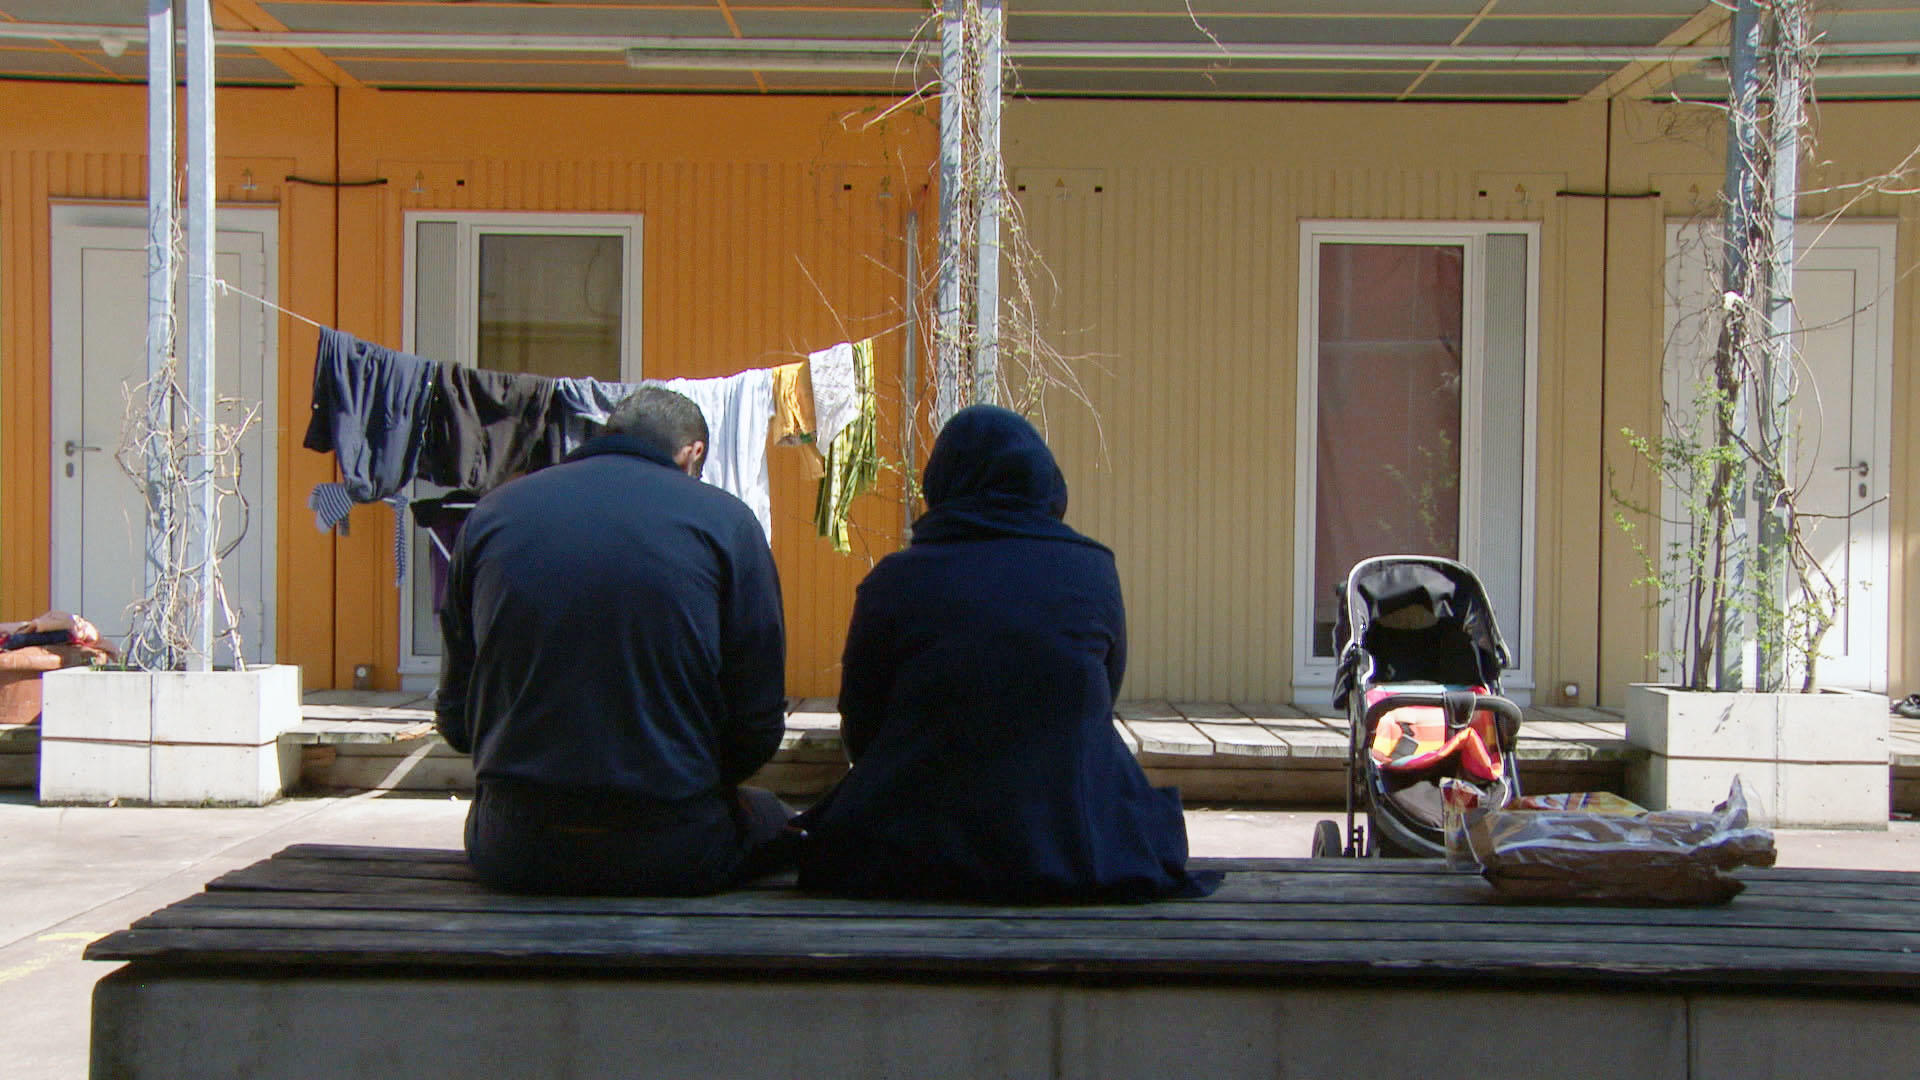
{"x": 540, "y": 294}
{"x": 1416, "y": 373}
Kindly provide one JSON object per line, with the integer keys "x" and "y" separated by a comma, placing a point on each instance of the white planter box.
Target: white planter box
{"x": 1807, "y": 760}
{"x": 167, "y": 738}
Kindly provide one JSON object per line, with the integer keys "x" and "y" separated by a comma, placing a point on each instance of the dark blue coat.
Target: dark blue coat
{"x": 613, "y": 627}
{"x": 976, "y": 701}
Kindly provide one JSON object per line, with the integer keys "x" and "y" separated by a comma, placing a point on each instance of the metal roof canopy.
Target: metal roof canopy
{"x": 1393, "y": 50}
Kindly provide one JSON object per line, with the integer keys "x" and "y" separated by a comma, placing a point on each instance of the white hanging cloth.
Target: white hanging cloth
{"x": 739, "y": 409}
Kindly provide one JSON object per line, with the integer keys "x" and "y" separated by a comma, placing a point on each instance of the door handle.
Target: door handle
{"x": 74, "y": 447}
{"x": 1861, "y": 468}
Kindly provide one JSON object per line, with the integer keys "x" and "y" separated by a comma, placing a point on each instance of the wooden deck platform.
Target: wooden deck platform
{"x": 1249, "y": 753}
{"x": 330, "y": 961}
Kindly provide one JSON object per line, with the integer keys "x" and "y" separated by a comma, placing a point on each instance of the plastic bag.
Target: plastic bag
{"x": 1458, "y": 797}
{"x": 1660, "y": 857}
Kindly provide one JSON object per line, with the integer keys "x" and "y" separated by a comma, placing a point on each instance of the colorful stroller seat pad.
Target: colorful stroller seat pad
{"x": 1414, "y": 738}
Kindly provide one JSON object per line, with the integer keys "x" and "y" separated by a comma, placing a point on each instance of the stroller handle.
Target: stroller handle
{"x": 1506, "y": 714}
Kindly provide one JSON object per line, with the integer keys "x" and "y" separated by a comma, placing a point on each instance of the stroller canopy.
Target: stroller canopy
{"x": 1408, "y": 618}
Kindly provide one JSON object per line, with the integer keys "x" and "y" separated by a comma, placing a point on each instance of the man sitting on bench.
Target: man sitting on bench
{"x": 615, "y": 656}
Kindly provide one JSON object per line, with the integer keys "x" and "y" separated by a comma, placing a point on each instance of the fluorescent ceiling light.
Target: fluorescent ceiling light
{"x": 863, "y": 61}
{"x": 1864, "y": 67}
{"x": 875, "y": 55}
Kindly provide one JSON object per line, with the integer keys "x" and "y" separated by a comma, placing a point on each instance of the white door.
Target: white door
{"x": 1841, "y": 436}
{"x": 1845, "y": 328}
{"x": 99, "y": 358}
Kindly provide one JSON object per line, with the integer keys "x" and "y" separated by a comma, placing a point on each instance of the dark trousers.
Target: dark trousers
{"x": 536, "y": 840}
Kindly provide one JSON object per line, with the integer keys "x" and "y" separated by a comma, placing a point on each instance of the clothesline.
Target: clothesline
{"x": 226, "y": 286}
{"x": 842, "y": 401}
{"x": 391, "y": 417}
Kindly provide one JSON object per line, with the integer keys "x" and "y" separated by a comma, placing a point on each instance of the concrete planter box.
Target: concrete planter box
{"x": 1808, "y": 760}
{"x": 168, "y": 738}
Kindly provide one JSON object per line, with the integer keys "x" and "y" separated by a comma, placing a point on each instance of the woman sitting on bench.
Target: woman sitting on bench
{"x": 976, "y": 703}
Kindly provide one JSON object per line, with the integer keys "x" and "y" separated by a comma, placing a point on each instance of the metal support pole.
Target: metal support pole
{"x": 1776, "y": 383}
{"x": 949, "y": 335}
{"x": 198, "y": 325}
{"x": 987, "y": 170}
{"x": 910, "y": 373}
{"x": 1742, "y": 197}
{"x": 150, "y": 648}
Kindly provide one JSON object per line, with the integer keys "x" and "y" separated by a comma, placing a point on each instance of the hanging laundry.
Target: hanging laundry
{"x": 399, "y": 504}
{"x": 485, "y": 427}
{"x": 581, "y": 407}
{"x": 738, "y": 409}
{"x": 836, "y": 392}
{"x": 793, "y": 421}
{"x": 330, "y": 504}
{"x": 853, "y": 457}
{"x": 391, "y": 417}
{"x": 792, "y": 404}
{"x": 369, "y": 409}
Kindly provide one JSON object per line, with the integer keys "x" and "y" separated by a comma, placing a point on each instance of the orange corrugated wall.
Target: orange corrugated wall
{"x": 69, "y": 143}
{"x": 772, "y": 227}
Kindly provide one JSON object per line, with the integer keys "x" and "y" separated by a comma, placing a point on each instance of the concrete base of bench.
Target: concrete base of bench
{"x": 581, "y": 1026}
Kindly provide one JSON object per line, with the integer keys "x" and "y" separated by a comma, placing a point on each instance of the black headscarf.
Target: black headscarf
{"x": 991, "y": 475}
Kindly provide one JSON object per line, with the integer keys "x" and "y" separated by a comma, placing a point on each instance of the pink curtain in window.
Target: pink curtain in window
{"x": 1388, "y": 453}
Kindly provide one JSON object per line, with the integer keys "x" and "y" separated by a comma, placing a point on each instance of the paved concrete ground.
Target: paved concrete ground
{"x": 69, "y": 875}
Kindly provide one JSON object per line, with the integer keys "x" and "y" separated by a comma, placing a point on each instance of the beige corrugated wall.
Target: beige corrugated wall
{"x": 1172, "y": 230}
{"x": 1170, "y": 238}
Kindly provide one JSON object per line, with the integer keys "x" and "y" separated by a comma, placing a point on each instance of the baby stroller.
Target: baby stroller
{"x": 1419, "y": 676}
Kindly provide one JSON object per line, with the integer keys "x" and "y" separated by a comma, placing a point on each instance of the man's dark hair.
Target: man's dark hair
{"x": 657, "y": 415}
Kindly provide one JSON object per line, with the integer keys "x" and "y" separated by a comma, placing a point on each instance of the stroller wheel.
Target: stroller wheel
{"x": 1328, "y": 840}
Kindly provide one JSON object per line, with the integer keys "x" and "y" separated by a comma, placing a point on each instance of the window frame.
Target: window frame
{"x": 1313, "y": 675}
{"x": 470, "y": 226}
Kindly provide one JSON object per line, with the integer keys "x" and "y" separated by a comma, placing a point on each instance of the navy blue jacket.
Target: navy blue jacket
{"x": 613, "y": 626}
{"x": 976, "y": 702}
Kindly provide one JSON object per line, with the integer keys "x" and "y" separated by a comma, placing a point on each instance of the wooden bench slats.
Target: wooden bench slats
{"x": 1751, "y": 911}
{"x": 1013, "y": 925}
{"x": 340, "y": 908}
{"x": 1250, "y": 880}
{"x": 1366, "y": 870}
{"x": 455, "y": 871}
{"x": 1240, "y": 887}
{"x": 794, "y": 949}
{"x": 1370, "y": 870}
{"x": 356, "y": 852}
